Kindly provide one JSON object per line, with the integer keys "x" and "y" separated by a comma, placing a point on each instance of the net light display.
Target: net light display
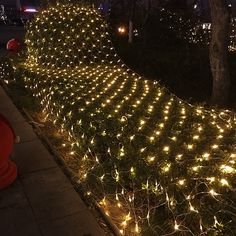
{"x": 155, "y": 164}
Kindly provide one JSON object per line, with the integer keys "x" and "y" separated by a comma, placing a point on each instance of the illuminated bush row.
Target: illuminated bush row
{"x": 154, "y": 163}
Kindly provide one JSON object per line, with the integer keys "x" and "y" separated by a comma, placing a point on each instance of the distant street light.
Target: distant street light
{"x": 122, "y": 30}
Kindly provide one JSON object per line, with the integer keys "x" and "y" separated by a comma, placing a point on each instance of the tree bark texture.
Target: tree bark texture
{"x": 220, "y": 16}
{"x": 131, "y": 20}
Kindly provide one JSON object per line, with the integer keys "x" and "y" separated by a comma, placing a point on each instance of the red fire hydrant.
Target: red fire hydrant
{"x": 13, "y": 45}
{"x": 8, "y": 170}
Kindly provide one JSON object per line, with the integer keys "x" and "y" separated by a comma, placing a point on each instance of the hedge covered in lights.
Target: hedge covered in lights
{"x": 154, "y": 163}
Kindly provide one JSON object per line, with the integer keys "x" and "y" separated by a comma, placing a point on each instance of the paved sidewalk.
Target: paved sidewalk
{"x": 41, "y": 202}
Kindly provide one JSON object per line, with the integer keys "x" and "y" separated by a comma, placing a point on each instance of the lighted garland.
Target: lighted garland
{"x": 156, "y": 164}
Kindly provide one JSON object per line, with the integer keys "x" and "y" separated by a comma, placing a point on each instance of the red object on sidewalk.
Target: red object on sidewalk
{"x": 8, "y": 170}
{"x": 13, "y": 45}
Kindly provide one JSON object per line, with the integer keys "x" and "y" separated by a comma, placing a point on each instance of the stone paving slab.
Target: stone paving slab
{"x": 16, "y": 216}
{"x": 25, "y": 131}
{"x": 35, "y": 158}
{"x": 5, "y": 103}
{"x": 76, "y": 225}
{"x": 53, "y": 189}
{"x": 13, "y": 196}
{"x": 42, "y": 201}
{"x": 18, "y": 221}
{"x": 12, "y": 115}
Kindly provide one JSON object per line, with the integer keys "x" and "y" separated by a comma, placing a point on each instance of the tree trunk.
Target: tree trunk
{"x": 219, "y": 50}
{"x": 131, "y": 19}
{"x": 147, "y": 9}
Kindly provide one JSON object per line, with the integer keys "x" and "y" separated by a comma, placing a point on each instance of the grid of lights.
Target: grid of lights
{"x": 155, "y": 164}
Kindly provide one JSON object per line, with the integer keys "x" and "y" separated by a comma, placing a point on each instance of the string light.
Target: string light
{"x": 133, "y": 146}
